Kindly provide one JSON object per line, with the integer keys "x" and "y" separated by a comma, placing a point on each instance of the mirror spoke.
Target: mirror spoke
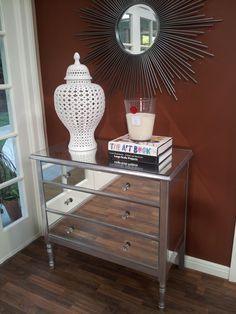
{"x": 141, "y": 46}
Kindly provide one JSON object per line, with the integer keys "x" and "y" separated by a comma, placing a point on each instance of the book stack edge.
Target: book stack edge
{"x": 155, "y": 153}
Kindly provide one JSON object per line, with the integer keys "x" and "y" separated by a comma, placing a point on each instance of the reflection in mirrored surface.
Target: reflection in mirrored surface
{"x": 60, "y": 174}
{"x": 59, "y": 153}
{"x": 138, "y": 28}
{"x": 86, "y": 156}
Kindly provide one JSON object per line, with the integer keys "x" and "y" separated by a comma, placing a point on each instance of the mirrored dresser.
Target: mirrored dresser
{"x": 130, "y": 215}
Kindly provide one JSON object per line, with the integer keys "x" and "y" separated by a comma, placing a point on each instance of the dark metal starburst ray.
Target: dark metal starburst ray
{"x": 168, "y": 59}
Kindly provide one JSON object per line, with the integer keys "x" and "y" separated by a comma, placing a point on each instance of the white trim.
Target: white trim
{"x": 201, "y": 265}
{"x": 12, "y": 181}
{"x": 38, "y": 85}
{"x": 5, "y": 86}
{"x": 31, "y": 83}
{"x": 8, "y": 135}
{"x": 28, "y": 118}
{"x": 31, "y": 78}
{"x": 232, "y": 271}
{"x": 207, "y": 267}
{"x": 19, "y": 248}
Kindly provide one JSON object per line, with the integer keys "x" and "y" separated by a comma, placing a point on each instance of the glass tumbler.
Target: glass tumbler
{"x": 140, "y": 117}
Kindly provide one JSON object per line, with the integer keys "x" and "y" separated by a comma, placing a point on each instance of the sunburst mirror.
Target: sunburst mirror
{"x": 142, "y": 47}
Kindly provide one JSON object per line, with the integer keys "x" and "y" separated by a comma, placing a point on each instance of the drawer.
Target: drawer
{"x": 121, "y": 244}
{"x": 140, "y": 188}
{"x": 122, "y": 214}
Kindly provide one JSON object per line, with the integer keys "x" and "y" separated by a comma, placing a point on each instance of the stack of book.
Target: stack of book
{"x": 153, "y": 154}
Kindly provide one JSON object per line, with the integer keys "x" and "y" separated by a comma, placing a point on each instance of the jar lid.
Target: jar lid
{"x": 77, "y": 71}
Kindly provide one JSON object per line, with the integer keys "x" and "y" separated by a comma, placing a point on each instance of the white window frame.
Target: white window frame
{"x": 22, "y": 43}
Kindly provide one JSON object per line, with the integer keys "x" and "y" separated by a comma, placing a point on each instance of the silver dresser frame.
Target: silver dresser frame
{"x": 180, "y": 164}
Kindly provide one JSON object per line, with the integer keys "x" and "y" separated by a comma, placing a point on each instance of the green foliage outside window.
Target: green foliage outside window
{"x": 8, "y": 172}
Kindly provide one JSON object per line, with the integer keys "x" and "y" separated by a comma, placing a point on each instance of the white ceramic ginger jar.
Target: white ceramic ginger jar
{"x": 80, "y": 105}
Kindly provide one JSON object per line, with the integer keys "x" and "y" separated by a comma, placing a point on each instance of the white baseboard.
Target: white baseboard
{"x": 20, "y": 248}
{"x": 207, "y": 267}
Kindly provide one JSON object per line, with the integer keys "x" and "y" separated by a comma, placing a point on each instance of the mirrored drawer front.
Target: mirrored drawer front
{"x": 122, "y": 214}
{"x": 89, "y": 181}
{"x": 121, "y": 244}
{"x": 62, "y": 174}
{"x": 140, "y": 188}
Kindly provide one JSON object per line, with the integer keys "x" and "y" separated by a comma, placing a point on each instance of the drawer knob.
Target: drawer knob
{"x": 68, "y": 201}
{"x": 125, "y": 186}
{"x": 69, "y": 229}
{"x": 125, "y": 215}
{"x": 126, "y": 246}
{"x": 67, "y": 175}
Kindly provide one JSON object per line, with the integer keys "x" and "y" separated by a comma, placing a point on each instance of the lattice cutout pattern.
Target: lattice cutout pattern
{"x": 80, "y": 107}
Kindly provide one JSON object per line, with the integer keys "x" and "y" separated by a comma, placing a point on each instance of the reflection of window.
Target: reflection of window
{"x": 138, "y": 28}
{"x": 125, "y": 29}
{"x": 154, "y": 29}
{"x": 145, "y": 31}
{"x": 148, "y": 33}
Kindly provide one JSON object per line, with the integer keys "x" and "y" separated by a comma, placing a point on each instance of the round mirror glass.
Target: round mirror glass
{"x": 137, "y": 29}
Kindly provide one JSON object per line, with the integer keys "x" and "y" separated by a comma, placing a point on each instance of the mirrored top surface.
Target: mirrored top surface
{"x": 137, "y": 29}
{"x": 99, "y": 160}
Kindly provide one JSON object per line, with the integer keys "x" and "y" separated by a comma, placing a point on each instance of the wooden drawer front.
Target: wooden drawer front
{"x": 122, "y": 214}
{"x": 140, "y": 188}
{"x": 121, "y": 244}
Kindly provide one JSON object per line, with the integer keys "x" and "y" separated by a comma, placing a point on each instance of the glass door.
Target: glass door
{"x": 11, "y": 179}
{"x": 18, "y": 132}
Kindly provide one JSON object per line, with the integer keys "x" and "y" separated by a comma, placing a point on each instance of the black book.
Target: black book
{"x": 137, "y": 158}
{"x": 162, "y": 168}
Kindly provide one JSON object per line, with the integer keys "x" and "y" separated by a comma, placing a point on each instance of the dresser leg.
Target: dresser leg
{"x": 50, "y": 256}
{"x": 162, "y": 291}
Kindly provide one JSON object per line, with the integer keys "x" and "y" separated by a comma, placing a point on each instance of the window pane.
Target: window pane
{"x": 154, "y": 30}
{"x": 3, "y": 72}
{"x": 5, "y": 121}
{"x": 8, "y": 168}
{"x": 125, "y": 28}
{"x": 145, "y": 31}
{"x": 10, "y": 205}
{"x": 0, "y": 20}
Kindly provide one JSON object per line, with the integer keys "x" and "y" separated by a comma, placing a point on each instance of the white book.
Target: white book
{"x": 154, "y": 147}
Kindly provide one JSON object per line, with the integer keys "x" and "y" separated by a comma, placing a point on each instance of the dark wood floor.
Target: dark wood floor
{"x": 83, "y": 284}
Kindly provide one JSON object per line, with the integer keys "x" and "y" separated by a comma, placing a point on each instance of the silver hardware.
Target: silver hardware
{"x": 68, "y": 201}
{"x": 125, "y": 215}
{"x": 126, "y": 246}
{"x": 67, "y": 175}
{"x": 69, "y": 229}
{"x": 126, "y": 186}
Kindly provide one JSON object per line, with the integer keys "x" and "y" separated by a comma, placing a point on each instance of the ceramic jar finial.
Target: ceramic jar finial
{"x": 77, "y": 58}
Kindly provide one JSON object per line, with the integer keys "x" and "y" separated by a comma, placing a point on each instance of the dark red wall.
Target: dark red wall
{"x": 203, "y": 118}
